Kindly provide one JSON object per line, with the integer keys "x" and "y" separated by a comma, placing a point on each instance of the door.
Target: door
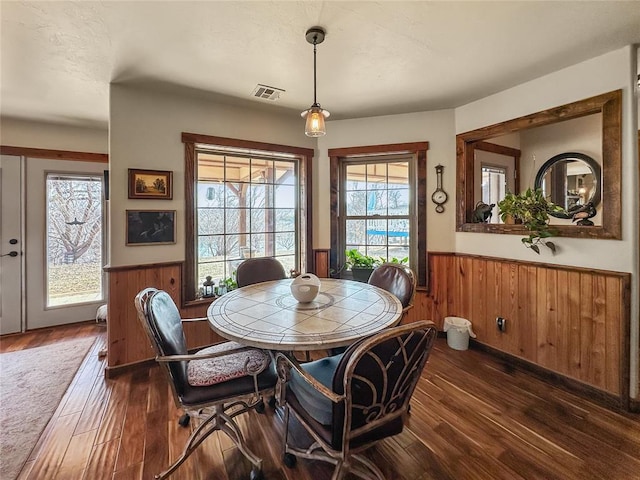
{"x": 64, "y": 241}
{"x": 11, "y": 259}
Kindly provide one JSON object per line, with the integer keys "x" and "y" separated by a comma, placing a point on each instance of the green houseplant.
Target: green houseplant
{"x": 401, "y": 261}
{"x": 532, "y": 209}
{"x": 361, "y": 265}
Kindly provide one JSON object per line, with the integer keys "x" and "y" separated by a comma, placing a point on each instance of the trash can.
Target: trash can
{"x": 458, "y": 332}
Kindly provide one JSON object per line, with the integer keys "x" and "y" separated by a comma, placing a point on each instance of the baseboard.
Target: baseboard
{"x": 604, "y": 399}
{"x": 634, "y": 405}
{"x": 116, "y": 371}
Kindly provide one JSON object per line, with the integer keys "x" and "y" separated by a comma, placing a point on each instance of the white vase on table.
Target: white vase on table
{"x": 305, "y": 287}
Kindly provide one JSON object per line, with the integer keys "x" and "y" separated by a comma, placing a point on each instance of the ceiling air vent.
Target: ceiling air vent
{"x": 267, "y": 93}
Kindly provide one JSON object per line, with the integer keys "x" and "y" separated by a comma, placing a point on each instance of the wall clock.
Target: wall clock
{"x": 439, "y": 196}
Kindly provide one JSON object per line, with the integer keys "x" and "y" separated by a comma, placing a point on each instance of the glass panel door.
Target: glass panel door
{"x": 74, "y": 239}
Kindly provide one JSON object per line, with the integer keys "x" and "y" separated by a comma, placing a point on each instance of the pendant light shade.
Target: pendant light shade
{"x": 315, "y": 115}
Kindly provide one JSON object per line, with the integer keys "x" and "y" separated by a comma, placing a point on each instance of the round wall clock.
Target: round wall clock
{"x": 439, "y": 196}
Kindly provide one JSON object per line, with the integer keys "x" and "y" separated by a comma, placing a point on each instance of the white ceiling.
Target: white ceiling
{"x": 58, "y": 58}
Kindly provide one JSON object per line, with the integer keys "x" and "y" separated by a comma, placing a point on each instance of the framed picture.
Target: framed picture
{"x": 153, "y": 184}
{"x": 151, "y": 227}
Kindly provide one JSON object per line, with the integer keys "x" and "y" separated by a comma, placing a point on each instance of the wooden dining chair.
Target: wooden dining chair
{"x": 261, "y": 269}
{"x": 214, "y": 384}
{"x": 350, "y": 401}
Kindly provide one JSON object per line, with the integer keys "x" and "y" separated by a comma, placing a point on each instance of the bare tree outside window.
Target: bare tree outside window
{"x": 74, "y": 239}
{"x": 245, "y": 208}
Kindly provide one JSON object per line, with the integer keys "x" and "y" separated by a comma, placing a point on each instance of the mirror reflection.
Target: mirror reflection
{"x": 570, "y": 180}
{"x": 591, "y": 126}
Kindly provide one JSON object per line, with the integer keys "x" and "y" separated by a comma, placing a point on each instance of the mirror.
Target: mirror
{"x": 570, "y": 180}
{"x": 594, "y": 126}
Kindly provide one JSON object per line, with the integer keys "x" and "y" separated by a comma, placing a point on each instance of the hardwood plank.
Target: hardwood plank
{"x": 77, "y": 455}
{"x": 131, "y": 450}
{"x": 102, "y": 461}
{"x": 113, "y": 418}
{"x": 95, "y": 405}
{"x": 473, "y": 417}
{"x": 156, "y": 450}
{"x": 54, "y": 448}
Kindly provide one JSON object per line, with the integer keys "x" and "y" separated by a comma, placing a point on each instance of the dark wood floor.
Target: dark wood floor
{"x": 472, "y": 418}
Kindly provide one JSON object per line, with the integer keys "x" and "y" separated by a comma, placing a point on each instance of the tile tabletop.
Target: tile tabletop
{"x": 266, "y": 315}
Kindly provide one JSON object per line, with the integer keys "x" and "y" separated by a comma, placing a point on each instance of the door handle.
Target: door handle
{"x": 10, "y": 254}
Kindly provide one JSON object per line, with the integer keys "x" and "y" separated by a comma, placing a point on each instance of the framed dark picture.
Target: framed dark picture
{"x": 150, "y": 184}
{"x": 151, "y": 227}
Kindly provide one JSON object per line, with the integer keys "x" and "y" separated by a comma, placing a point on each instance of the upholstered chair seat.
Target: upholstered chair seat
{"x": 350, "y": 401}
{"x": 214, "y": 384}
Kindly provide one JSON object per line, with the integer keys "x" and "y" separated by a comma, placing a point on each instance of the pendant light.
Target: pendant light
{"x": 315, "y": 115}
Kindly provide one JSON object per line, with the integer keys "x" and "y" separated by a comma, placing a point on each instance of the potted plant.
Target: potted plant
{"x": 531, "y": 208}
{"x": 401, "y": 261}
{"x": 361, "y": 265}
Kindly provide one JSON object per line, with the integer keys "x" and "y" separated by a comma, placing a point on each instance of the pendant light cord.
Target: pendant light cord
{"x": 315, "y": 39}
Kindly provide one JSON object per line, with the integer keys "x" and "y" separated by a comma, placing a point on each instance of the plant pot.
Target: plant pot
{"x": 361, "y": 274}
{"x": 509, "y": 220}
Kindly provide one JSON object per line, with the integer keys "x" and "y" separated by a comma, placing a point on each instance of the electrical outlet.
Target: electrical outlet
{"x": 501, "y": 323}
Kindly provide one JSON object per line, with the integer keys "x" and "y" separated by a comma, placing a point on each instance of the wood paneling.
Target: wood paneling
{"x": 321, "y": 263}
{"x": 127, "y": 340}
{"x": 571, "y": 321}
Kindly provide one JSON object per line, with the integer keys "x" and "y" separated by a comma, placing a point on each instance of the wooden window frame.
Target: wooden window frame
{"x": 190, "y": 140}
{"x": 419, "y": 152}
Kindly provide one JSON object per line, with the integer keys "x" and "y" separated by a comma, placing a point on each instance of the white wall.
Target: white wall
{"x": 612, "y": 71}
{"x": 145, "y": 132}
{"x": 599, "y": 75}
{"x": 436, "y": 127}
{"x": 24, "y": 133}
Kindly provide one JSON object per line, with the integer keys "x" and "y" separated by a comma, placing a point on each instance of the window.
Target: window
{"x": 494, "y": 185}
{"x": 248, "y": 200}
{"x": 74, "y": 239}
{"x": 377, "y": 207}
{"x": 379, "y": 204}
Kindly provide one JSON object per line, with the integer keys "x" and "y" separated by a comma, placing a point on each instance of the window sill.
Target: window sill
{"x": 199, "y": 301}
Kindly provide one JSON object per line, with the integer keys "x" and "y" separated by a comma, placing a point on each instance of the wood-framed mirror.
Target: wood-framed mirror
{"x": 594, "y": 128}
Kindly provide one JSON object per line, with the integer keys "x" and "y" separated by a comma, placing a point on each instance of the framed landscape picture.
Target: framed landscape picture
{"x": 151, "y": 227}
{"x": 150, "y": 184}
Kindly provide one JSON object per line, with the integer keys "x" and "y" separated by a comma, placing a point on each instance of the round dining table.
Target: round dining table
{"x": 266, "y": 315}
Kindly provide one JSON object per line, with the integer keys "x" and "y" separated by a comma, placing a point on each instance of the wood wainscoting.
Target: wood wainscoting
{"x": 571, "y": 321}
{"x": 568, "y": 320}
{"x": 127, "y": 342}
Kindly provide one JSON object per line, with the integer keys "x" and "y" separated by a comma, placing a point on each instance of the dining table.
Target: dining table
{"x": 266, "y": 315}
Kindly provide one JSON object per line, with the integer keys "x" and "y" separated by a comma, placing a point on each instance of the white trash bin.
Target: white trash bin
{"x": 458, "y": 332}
